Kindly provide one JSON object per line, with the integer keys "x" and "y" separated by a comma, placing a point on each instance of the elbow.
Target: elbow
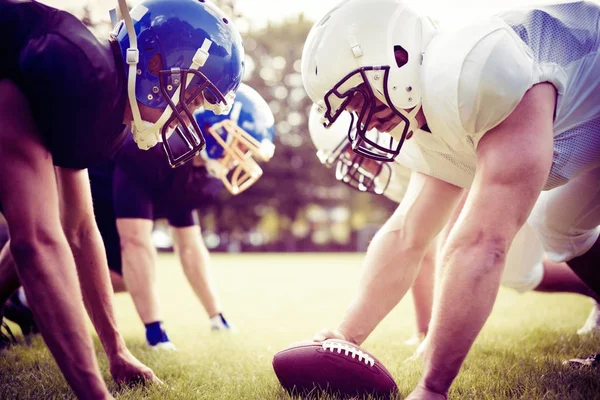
{"x": 482, "y": 253}
{"x": 28, "y": 250}
{"x": 79, "y": 229}
{"x": 78, "y": 239}
{"x": 399, "y": 241}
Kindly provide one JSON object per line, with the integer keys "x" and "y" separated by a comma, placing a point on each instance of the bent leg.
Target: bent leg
{"x": 559, "y": 277}
{"x": 568, "y": 221}
{"x": 139, "y": 266}
{"x": 195, "y": 260}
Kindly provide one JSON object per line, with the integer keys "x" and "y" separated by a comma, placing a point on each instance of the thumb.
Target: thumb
{"x": 325, "y": 334}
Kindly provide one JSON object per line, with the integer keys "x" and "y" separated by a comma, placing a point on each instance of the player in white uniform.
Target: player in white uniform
{"x": 525, "y": 268}
{"x": 509, "y": 106}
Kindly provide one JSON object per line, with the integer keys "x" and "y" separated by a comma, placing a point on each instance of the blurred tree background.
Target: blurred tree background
{"x": 297, "y": 205}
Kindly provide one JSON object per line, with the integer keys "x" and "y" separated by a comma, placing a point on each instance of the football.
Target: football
{"x": 335, "y": 366}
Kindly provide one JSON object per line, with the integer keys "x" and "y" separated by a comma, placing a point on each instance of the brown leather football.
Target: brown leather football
{"x": 335, "y": 366}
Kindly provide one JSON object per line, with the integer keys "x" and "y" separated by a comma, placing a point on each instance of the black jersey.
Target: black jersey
{"x": 75, "y": 85}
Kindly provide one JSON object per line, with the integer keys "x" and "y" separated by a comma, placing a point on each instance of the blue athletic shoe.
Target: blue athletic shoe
{"x": 157, "y": 338}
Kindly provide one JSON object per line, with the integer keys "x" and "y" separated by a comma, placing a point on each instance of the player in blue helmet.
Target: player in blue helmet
{"x": 145, "y": 188}
{"x": 64, "y": 104}
{"x": 236, "y": 141}
{"x": 136, "y": 187}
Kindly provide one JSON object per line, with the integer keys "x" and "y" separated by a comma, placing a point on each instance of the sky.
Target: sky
{"x": 260, "y": 11}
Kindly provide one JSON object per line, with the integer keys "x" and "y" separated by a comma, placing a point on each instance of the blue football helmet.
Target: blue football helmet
{"x": 237, "y": 141}
{"x": 182, "y": 54}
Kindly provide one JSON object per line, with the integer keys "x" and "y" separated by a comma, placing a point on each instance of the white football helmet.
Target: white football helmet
{"x": 372, "y": 49}
{"x": 351, "y": 168}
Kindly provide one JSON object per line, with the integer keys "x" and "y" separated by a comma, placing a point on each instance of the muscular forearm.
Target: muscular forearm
{"x": 469, "y": 284}
{"x": 92, "y": 267}
{"x": 390, "y": 268}
{"x": 47, "y": 273}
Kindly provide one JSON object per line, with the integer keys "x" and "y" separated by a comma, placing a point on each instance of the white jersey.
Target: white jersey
{"x": 474, "y": 77}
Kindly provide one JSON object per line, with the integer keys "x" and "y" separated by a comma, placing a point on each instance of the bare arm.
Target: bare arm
{"x": 195, "y": 260}
{"x": 79, "y": 224}
{"x": 44, "y": 262}
{"x": 513, "y": 162}
{"x": 393, "y": 257}
{"x": 77, "y": 216}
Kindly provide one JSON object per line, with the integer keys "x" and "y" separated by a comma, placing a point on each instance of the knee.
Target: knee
{"x": 132, "y": 242}
{"x": 28, "y": 248}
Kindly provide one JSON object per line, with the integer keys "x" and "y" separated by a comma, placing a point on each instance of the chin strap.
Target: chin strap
{"x": 143, "y": 135}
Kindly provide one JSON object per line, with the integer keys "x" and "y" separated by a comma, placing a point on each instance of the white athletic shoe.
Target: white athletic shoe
{"x": 592, "y": 324}
{"x": 163, "y": 346}
{"x": 218, "y": 323}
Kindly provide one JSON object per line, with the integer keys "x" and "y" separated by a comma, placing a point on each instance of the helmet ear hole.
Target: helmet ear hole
{"x": 401, "y": 55}
{"x": 155, "y": 64}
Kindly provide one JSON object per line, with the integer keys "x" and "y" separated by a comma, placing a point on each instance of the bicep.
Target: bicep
{"x": 28, "y": 187}
{"x": 513, "y": 162}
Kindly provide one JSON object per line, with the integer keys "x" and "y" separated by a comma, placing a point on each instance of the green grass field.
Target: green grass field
{"x": 276, "y": 299}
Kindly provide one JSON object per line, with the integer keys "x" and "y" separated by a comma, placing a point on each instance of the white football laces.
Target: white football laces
{"x": 332, "y": 346}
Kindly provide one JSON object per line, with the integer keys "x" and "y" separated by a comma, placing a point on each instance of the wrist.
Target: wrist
{"x": 349, "y": 335}
{"x": 114, "y": 347}
{"x": 435, "y": 385}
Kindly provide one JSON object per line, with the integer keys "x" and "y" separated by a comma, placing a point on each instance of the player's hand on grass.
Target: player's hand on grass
{"x": 126, "y": 369}
{"x": 422, "y": 393}
{"x": 325, "y": 334}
